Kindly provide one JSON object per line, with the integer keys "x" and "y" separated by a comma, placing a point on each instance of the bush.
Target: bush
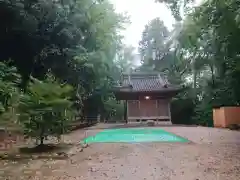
{"x": 9, "y": 94}
{"x": 182, "y": 111}
{"x": 203, "y": 114}
{"x": 8, "y": 86}
{"x": 45, "y": 109}
{"x": 113, "y": 110}
{"x": 182, "y": 107}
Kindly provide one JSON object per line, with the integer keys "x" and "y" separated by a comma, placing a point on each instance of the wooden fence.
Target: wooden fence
{"x": 226, "y": 116}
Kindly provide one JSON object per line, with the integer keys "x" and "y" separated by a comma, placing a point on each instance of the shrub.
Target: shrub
{"x": 8, "y": 86}
{"x": 203, "y": 114}
{"x": 9, "y": 94}
{"x": 45, "y": 109}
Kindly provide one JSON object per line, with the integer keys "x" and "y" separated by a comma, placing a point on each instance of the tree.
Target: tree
{"x": 154, "y": 38}
{"x": 208, "y": 38}
{"x": 77, "y": 41}
{"x": 125, "y": 58}
{"x": 45, "y": 109}
{"x": 179, "y": 8}
{"x": 51, "y": 40}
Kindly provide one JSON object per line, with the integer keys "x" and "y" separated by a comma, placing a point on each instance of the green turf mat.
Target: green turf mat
{"x": 134, "y": 135}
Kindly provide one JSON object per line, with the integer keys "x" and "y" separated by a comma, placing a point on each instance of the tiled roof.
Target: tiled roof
{"x": 145, "y": 82}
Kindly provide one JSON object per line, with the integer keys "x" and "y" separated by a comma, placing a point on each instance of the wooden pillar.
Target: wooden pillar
{"x": 139, "y": 110}
{"x": 125, "y": 112}
{"x": 157, "y": 113}
{"x": 169, "y": 110}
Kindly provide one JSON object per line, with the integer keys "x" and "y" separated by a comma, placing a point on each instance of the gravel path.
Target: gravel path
{"x": 212, "y": 154}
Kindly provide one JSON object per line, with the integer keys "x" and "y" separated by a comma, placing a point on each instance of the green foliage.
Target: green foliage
{"x": 213, "y": 41}
{"x": 45, "y": 109}
{"x": 203, "y": 114}
{"x": 202, "y": 53}
{"x": 183, "y": 107}
{"x": 153, "y": 38}
{"x": 114, "y": 110}
{"x": 76, "y": 40}
{"x": 178, "y": 7}
{"x": 9, "y": 92}
{"x": 52, "y": 33}
{"x": 125, "y": 58}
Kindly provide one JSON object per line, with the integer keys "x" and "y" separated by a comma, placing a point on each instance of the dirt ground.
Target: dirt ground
{"x": 212, "y": 154}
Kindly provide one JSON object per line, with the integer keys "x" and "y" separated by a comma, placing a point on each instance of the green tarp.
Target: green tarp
{"x": 134, "y": 135}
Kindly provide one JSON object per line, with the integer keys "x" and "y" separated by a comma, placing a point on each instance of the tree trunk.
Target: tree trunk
{"x": 212, "y": 75}
{"x": 194, "y": 70}
{"x": 194, "y": 83}
{"x": 194, "y": 80}
{"x": 42, "y": 135}
{"x": 125, "y": 112}
{"x": 41, "y": 140}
